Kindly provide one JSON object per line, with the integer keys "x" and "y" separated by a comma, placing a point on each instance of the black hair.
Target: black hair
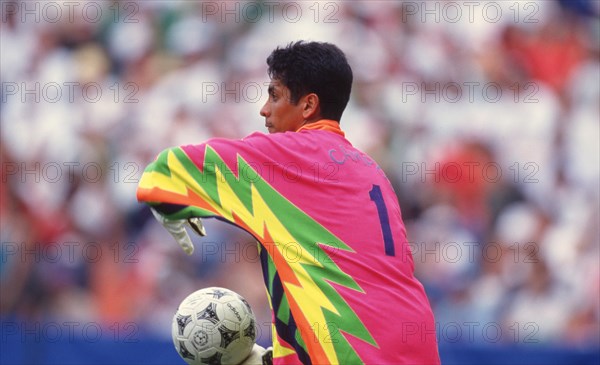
{"x": 314, "y": 67}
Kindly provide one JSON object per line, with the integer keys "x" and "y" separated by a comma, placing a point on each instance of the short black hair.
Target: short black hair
{"x": 314, "y": 67}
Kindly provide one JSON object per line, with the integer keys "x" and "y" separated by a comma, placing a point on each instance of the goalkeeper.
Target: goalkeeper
{"x": 336, "y": 262}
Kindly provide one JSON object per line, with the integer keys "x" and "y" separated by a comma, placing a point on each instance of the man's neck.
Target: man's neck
{"x": 323, "y": 124}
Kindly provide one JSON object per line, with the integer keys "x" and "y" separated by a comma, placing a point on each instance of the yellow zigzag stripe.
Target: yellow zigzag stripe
{"x": 176, "y": 183}
{"x": 285, "y": 244}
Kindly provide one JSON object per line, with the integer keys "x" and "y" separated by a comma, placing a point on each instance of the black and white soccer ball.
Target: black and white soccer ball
{"x": 214, "y": 326}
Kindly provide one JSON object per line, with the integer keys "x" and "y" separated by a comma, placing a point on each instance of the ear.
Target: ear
{"x": 312, "y": 107}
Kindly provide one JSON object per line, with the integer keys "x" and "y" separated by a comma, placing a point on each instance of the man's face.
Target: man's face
{"x": 279, "y": 112}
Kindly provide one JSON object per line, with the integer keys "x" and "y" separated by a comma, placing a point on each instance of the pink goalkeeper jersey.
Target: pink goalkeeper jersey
{"x": 336, "y": 262}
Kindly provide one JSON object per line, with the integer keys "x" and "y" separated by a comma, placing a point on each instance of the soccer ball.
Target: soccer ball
{"x": 214, "y": 326}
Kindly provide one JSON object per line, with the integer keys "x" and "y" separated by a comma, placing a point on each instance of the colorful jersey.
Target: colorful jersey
{"x": 336, "y": 262}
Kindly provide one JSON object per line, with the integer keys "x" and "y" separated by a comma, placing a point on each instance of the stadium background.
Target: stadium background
{"x": 485, "y": 115}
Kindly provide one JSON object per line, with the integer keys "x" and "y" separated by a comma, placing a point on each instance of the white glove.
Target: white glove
{"x": 259, "y": 356}
{"x": 177, "y": 229}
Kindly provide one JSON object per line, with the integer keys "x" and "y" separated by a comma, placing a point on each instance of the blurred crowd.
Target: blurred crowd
{"x": 486, "y": 122}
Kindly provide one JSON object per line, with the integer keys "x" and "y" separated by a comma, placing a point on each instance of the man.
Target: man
{"x": 335, "y": 258}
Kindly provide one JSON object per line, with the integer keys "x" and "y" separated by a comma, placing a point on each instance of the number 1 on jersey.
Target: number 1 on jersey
{"x": 384, "y": 220}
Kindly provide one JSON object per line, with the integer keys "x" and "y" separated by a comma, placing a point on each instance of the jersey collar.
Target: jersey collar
{"x": 324, "y": 125}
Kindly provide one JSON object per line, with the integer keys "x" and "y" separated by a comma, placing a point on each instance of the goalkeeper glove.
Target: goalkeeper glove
{"x": 177, "y": 229}
{"x": 259, "y": 356}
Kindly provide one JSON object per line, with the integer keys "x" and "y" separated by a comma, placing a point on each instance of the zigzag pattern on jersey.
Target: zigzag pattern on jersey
{"x": 181, "y": 188}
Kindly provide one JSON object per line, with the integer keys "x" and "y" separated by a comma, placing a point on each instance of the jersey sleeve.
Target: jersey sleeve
{"x": 183, "y": 182}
